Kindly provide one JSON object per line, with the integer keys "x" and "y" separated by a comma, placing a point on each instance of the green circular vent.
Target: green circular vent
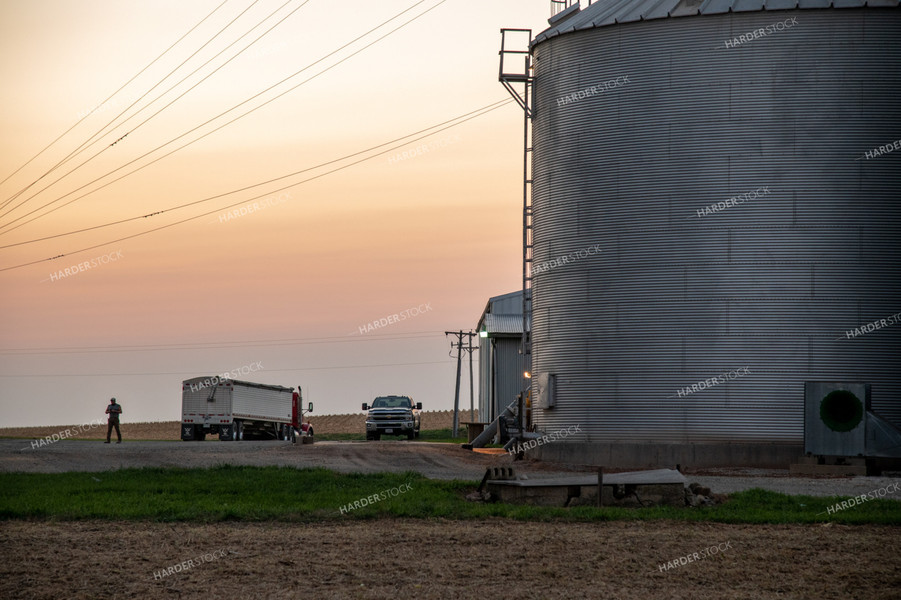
{"x": 841, "y": 410}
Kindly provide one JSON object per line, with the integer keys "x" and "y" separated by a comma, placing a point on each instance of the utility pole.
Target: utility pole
{"x": 460, "y": 348}
{"x": 470, "y": 349}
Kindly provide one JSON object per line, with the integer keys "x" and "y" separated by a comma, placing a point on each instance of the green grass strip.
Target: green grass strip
{"x": 236, "y": 493}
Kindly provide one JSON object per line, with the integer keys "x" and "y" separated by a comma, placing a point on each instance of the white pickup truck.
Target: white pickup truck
{"x": 393, "y": 415}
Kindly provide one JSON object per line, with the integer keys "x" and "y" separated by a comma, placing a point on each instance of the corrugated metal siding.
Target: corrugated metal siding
{"x": 673, "y": 298}
{"x": 505, "y": 324}
{"x": 194, "y": 402}
{"x": 508, "y": 381}
{"x": 509, "y": 304}
{"x": 500, "y": 375}
{"x": 236, "y": 398}
{"x": 258, "y": 403}
{"x": 484, "y": 379}
{"x": 497, "y": 369}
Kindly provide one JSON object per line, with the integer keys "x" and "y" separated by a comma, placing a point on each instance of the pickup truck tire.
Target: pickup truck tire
{"x": 411, "y": 435}
{"x": 373, "y": 436}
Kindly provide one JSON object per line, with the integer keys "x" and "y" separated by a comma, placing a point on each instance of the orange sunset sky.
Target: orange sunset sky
{"x": 289, "y": 285}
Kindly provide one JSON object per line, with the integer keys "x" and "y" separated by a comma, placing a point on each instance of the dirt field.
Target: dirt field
{"x": 447, "y": 560}
{"x": 169, "y": 430}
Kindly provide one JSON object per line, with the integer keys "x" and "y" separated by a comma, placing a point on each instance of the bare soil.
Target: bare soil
{"x": 447, "y": 560}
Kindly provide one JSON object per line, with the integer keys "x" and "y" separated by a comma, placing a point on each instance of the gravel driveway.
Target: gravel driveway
{"x": 436, "y": 461}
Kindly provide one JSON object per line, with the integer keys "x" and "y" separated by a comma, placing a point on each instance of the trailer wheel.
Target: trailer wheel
{"x": 237, "y": 430}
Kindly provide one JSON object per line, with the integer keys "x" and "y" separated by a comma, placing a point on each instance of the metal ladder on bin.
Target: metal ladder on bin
{"x": 511, "y": 80}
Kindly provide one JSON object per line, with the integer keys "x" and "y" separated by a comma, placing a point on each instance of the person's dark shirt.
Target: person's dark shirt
{"x": 114, "y": 410}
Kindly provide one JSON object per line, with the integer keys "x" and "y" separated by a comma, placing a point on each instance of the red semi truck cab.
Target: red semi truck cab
{"x": 300, "y": 428}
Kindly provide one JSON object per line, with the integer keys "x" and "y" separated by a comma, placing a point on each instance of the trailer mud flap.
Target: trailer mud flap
{"x": 226, "y": 432}
{"x": 187, "y": 432}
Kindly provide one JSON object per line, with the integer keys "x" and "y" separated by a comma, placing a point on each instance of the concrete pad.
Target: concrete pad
{"x": 808, "y": 469}
{"x": 639, "y": 488}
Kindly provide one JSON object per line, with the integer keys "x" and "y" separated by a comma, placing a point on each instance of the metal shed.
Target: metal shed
{"x": 501, "y": 363}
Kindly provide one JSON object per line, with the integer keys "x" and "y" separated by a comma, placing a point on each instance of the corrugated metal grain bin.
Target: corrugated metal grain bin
{"x": 734, "y": 169}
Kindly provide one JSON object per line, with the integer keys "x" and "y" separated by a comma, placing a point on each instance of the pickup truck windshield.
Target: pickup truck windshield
{"x": 392, "y": 403}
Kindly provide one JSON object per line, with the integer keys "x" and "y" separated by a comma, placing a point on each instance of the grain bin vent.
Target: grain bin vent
{"x": 839, "y": 421}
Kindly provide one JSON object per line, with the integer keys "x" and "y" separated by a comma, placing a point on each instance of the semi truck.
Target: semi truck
{"x": 241, "y": 410}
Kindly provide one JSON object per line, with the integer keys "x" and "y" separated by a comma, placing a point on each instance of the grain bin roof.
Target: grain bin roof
{"x": 612, "y": 12}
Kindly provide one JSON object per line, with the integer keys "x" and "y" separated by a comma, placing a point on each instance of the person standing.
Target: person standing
{"x": 113, "y": 410}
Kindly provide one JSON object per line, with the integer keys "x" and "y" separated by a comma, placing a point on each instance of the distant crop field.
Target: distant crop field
{"x": 170, "y": 430}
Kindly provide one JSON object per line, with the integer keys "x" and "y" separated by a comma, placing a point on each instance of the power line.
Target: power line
{"x": 220, "y": 344}
{"x": 460, "y": 118}
{"x": 70, "y": 155}
{"x": 107, "y": 100}
{"x": 233, "y": 108}
{"x": 173, "y": 101}
{"x": 206, "y": 214}
{"x": 329, "y": 368}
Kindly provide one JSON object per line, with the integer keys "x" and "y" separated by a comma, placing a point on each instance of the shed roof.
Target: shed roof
{"x": 502, "y": 314}
{"x": 501, "y": 324}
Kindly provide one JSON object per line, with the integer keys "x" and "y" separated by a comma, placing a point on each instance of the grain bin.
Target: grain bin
{"x": 716, "y": 220}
